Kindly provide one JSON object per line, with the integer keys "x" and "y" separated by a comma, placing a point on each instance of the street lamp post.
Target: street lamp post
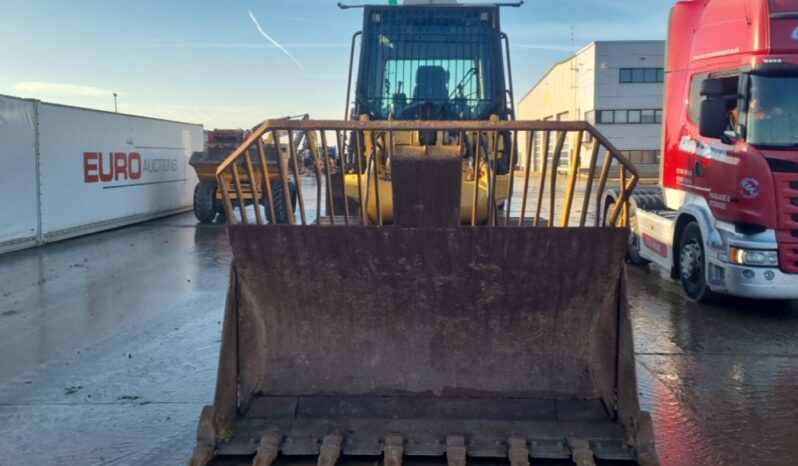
{"x": 115, "y": 110}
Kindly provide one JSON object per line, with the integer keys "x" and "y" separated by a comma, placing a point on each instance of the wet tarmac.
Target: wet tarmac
{"x": 110, "y": 342}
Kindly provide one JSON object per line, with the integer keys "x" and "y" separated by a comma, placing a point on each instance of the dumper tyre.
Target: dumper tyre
{"x": 279, "y": 203}
{"x": 219, "y": 206}
{"x": 633, "y": 244}
{"x": 205, "y": 201}
{"x": 692, "y": 265}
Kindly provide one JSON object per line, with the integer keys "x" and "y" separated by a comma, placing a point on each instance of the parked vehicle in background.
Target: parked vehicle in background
{"x": 219, "y": 144}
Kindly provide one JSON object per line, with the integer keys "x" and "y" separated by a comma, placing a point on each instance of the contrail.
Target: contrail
{"x": 268, "y": 37}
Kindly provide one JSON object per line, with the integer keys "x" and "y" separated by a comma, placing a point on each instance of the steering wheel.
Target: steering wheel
{"x": 427, "y": 110}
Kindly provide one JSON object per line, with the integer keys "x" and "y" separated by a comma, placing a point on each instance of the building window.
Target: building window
{"x": 647, "y": 116}
{"x": 626, "y": 75}
{"x": 641, "y": 75}
{"x": 605, "y": 116}
{"x": 642, "y": 157}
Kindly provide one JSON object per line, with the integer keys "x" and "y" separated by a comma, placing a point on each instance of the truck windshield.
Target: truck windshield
{"x": 772, "y": 119}
{"x": 441, "y": 69}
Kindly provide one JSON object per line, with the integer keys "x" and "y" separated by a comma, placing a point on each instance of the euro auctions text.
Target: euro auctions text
{"x": 105, "y": 167}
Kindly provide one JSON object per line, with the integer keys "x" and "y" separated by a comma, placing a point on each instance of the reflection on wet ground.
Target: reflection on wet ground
{"x": 110, "y": 346}
{"x": 721, "y": 381}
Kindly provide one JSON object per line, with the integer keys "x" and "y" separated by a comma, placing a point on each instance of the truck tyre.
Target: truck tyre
{"x": 633, "y": 243}
{"x": 692, "y": 265}
{"x": 205, "y": 201}
{"x": 279, "y": 203}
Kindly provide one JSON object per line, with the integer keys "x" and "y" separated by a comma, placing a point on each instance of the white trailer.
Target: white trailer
{"x": 70, "y": 171}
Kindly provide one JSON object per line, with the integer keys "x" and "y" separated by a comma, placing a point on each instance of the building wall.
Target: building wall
{"x": 591, "y": 80}
{"x": 552, "y": 95}
{"x": 585, "y": 72}
{"x": 553, "y": 98}
{"x": 612, "y": 94}
{"x": 611, "y": 57}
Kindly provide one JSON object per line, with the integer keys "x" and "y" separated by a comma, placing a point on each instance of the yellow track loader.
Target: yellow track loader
{"x": 427, "y": 298}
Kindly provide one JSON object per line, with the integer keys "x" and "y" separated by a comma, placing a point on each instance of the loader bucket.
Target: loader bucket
{"x": 343, "y": 339}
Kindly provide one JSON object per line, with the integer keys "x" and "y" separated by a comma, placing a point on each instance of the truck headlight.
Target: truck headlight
{"x": 753, "y": 257}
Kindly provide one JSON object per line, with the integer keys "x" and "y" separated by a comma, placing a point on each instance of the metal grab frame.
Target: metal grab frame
{"x": 365, "y": 133}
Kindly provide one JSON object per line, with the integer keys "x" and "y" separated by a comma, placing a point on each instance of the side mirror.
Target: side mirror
{"x": 713, "y": 119}
{"x": 712, "y": 87}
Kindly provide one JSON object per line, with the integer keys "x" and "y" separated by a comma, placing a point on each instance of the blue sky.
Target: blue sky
{"x": 206, "y": 62}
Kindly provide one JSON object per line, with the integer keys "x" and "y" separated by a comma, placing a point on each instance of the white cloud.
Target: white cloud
{"x": 211, "y": 116}
{"x": 37, "y": 88}
{"x": 555, "y": 47}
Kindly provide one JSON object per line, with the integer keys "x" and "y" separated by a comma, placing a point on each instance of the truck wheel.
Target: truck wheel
{"x": 692, "y": 265}
{"x": 633, "y": 244}
{"x": 279, "y": 204}
{"x": 205, "y": 201}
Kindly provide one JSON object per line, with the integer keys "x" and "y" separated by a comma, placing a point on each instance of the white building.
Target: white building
{"x": 615, "y": 85}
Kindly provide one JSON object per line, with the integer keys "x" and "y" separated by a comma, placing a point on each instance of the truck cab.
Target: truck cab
{"x": 728, "y": 221}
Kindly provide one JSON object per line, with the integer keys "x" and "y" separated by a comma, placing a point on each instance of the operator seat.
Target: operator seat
{"x": 431, "y": 84}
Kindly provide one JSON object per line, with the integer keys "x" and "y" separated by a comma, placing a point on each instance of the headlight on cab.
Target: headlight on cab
{"x": 753, "y": 257}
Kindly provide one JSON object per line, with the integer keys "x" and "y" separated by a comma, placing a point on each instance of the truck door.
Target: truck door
{"x": 710, "y": 165}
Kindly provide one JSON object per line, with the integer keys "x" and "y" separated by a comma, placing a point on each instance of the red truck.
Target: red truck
{"x": 724, "y": 219}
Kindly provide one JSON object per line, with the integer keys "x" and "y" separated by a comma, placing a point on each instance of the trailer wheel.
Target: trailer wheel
{"x": 205, "y": 201}
{"x": 279, "y": 204}
{"x": 692, "y": 265}
{"x": 633, "y": 243}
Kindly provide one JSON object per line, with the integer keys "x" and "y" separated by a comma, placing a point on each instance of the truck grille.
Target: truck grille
{"x": 787, "y": 233}
{"x": 783, "y": 166}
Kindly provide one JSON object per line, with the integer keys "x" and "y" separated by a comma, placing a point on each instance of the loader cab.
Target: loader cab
{"x": 431, "y": 62}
